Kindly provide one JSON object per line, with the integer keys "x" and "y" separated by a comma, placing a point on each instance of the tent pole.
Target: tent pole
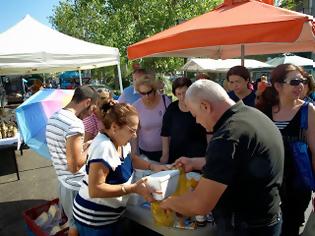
{"x": 80, "y": 77}
{"x": 119, "y": 76}
{"x": 242, "y": 55}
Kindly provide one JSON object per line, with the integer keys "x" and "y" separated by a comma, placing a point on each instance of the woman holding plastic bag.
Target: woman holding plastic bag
{"x": 102, "y": 198}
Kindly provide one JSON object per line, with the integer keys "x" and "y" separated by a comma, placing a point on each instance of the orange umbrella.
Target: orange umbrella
{"x": 262, "y": 28}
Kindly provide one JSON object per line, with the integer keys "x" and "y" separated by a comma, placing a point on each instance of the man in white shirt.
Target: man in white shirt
{"x": 64, "y": 135}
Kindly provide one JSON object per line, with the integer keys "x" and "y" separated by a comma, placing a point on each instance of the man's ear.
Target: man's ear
{"x": 205, "y": 106}
{"x": 88, "y": 102}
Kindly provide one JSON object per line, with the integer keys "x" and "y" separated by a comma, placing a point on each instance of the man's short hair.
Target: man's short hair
{"x": 84, "y": 92}
{"x": 206, "y": 90}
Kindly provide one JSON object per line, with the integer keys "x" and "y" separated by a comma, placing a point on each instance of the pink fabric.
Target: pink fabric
{"x": 91, "y": 124}
{"x": 149, "y": 135}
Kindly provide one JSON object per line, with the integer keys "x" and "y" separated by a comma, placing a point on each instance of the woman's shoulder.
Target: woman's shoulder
{"x": 138, "y": 103}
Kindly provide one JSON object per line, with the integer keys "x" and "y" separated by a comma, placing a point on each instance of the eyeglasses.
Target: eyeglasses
{"x": 133, "y": 131}
{"x": 296, "y": 81}
{"x": 146, "y": 93}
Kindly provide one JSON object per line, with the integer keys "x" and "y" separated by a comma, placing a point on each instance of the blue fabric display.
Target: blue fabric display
{"x": 302, "y": 157}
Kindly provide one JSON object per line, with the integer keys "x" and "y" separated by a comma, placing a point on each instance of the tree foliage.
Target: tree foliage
{"x": 120, "y": 23}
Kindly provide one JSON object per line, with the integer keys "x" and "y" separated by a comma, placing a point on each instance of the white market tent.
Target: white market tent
{"x": 212, "y": 65}
{"x": 291, "y": 58}
{"x": 30, "y": 47}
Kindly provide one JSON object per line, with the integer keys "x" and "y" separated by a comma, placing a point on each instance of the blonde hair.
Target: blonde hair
{"x": 147, "y": 80}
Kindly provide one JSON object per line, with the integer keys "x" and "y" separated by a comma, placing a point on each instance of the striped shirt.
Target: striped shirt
{"x": 281, "y": 124}
{"x": 99, "y": 212}
{"x": 62, "y": 125}
{"x": 92, "y": 125}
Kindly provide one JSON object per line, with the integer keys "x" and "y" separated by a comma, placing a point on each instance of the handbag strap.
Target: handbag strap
{"x": 163, "y": 97}
{"x": 304, "y": 115}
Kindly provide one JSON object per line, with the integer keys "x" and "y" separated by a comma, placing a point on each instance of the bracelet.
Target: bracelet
{"x": 123, "y": 189}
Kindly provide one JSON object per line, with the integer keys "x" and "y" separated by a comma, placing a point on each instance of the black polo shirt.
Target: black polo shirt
{"x": 246, "y": 154}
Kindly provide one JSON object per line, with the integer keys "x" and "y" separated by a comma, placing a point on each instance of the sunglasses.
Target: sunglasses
{"x": 146, "y": 93}
{"x": 296, "y": 81}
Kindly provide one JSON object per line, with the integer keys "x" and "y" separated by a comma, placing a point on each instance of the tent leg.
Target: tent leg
{"x": 120, "y": 79}
{"x": 80, "y": 77}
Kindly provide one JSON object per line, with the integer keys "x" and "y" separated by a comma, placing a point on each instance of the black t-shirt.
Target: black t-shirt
{"x": 246, "y": 154}
{"x": 187, "y": 138}
{"x": 249, "y": 100}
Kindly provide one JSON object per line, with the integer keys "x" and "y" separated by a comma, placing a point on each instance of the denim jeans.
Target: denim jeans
{"x": 113, "y": 229}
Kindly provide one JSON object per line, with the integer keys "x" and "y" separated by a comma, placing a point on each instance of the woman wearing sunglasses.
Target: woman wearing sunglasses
{"x": 151, "y": 108}
{"x": 283, "y": 106}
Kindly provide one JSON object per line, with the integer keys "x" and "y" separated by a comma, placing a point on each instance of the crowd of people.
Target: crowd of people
{"x": 242, "y": 141}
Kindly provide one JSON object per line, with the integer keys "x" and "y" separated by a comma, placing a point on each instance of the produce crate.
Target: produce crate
{"x": 30, "y": 216}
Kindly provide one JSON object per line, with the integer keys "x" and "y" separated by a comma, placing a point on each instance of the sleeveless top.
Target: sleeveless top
{"x": 291, "y": 132}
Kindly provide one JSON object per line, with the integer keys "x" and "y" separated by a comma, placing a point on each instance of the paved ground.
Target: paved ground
{"x": 37, "y": 184}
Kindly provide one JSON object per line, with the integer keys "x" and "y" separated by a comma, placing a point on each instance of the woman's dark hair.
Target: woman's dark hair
{"x": 310, "y": 83}
{"x": 180, "y": 82}
{"x": 117, "y": 112}
{"x": 240, "y": 71}
{"x": 270, "y": 96}
{"x": 266, "y": 100}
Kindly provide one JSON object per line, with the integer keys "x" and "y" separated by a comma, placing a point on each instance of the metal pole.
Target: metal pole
{"x": 80, "y": 77}
{"x": 120, "y": 79}
{"x": 242, "y": 55}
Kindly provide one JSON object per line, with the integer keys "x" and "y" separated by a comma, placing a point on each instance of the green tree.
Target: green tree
{"x": 120, "y": 23}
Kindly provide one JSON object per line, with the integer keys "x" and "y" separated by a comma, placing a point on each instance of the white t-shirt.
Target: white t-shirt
{"x": 62, "y": 125}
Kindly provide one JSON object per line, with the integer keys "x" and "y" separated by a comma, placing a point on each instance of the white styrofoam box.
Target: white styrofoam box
{"x": 135, "y": 199}
{"x": 138, "y": 174}
{"x": 164, "y": 183}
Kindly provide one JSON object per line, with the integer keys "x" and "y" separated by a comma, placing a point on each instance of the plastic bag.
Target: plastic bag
{"x": 168, "y": 218}
{"x": 162, "y": 217}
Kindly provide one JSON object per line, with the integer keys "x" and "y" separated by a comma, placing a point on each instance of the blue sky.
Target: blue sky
{"x": 12, "y": 11}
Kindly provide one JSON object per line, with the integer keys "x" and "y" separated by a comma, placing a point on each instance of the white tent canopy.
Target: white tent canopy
{"x": 291, "y": 58}
{"x": 212, "y": 65}
{"x": 30, "y": 47}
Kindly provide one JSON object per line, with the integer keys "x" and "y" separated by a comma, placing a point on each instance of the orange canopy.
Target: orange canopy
{"x": 262, "y": 28}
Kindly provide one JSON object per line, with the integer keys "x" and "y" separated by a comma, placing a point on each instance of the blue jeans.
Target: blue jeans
{"x": 109, "y": 230}
{"x": 224, "y": 228}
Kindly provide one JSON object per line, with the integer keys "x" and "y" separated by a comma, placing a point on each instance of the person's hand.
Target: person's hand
{"x": 164, "y": 159}
{"x": 185, "y": 162}
{"x": 86, "y": 145}
{"x": 166, "y": 204}
{"x": 141, "y": 188}
{"x": 157, "y": 167}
